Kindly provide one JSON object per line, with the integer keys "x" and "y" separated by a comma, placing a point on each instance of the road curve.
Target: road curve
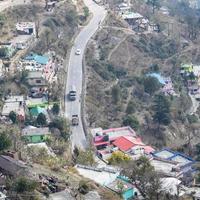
{"x": 75, "y": 73}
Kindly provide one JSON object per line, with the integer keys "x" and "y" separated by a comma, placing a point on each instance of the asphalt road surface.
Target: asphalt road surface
{"x": 75, "y": 73}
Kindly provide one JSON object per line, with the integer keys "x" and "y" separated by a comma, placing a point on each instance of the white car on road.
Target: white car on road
{"x": 78, "y": 52}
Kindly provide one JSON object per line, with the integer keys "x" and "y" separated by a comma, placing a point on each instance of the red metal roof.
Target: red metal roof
{"x": 123, "y": 144}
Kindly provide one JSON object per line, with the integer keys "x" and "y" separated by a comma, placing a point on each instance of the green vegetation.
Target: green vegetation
{"x": 3, "y": 52}
{"x": 192, "y": 119}
{"x": 154, "y": 3}
{"x": 131, "y": 108}
{"x": 116, "y": 94}
{"x": 72, "y": 18}
{"x": 13, "y": 117}
{"x": 86, "y": 12}
{"x": 151, "y": 85}
{"x": 146, "y": 180}
{"x": 118, "y": 157}
{"x": 83, "y": 187}
{"x": 22, "y": 185}
{"x": 56, "y": 109}
{"x": 161, "y": 110}
{"x": 2, "y": 20}
{"x": 41, "y": 119}
{"x": 84, "y": 157}
{"x": 5, "y": 141}
{"x": 132, "y": 121}
{"x": 62, "y": 125}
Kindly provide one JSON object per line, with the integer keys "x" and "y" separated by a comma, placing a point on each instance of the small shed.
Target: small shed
{"x": 123, "y": 187}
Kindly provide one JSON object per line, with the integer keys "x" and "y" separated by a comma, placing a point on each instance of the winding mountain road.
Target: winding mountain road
{"x": 75, "y": 71}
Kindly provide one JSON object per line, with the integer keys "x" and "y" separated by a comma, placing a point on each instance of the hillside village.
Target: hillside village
{"x": 139, "y": 108}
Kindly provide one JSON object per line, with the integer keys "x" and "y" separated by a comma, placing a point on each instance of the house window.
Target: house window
{"x": 38, "y": 81}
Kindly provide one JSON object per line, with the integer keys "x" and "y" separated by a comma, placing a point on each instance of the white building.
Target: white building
{"x": 26, "y": 28}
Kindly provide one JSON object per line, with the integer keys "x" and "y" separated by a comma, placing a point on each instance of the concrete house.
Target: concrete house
{"x": 26, "y": 28}
{"x": 131, "y": 17}
{"x": 36, "y": 78}
{"x": 16, "y": 104}
{"x": 35, "y": 135}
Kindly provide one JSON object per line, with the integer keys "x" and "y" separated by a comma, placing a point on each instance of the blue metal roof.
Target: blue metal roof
{"x": 174, "y": 154}
{"x": 43, "y": 60}
{"x": 158, "y": 77}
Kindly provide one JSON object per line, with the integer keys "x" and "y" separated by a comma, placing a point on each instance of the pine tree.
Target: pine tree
{"x": 154, "y": 3}
{"x": 161, "y": 110}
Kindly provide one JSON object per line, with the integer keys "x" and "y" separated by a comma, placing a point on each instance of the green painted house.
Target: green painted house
{"x": 35, "y": 135}
{"x": 124, "y": 188}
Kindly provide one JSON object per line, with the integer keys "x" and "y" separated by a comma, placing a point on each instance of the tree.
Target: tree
{"x": 116, "y": 94}
{"x": 86, "y": 12}
{"x": 13, "y": 117}
{"x": 22, "y": 184}
{"x": 62, "y": 125}
{"x": 2, "y": 20}
{"x": 72, "y": 18}
{"x": 48, "y": 38}
{"x": 143, "y": 176}
{"x": 5, "y": 141}
{"x": 118, "y": 157}
{"x": 83, "y": 187}
{"x": 85, "y": 157}
{"x": 161, "y": 110}
{"x": 37, "y": 28}
{"x": 151, "y": 85}
{"x": 131, "y": 121}
{"x": 56, "y": 109}
{"x": 23, "y": 76}
{"x": 41, "y": 119}
{"x": 131, "y": 107}
{"x": 3, "y": 52}
{"x": 154, "y": 3}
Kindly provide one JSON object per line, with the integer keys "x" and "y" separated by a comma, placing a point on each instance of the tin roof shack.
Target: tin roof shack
{"x": 26, "y": 28}
{"x": 35, "y": 135}
{"x": 13, "y": 167}
{"x": 122, "y": 8}
{"x": 132, "y": 18}
{"x": 16, "y": 104}
{"x": 123, "y": 188}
